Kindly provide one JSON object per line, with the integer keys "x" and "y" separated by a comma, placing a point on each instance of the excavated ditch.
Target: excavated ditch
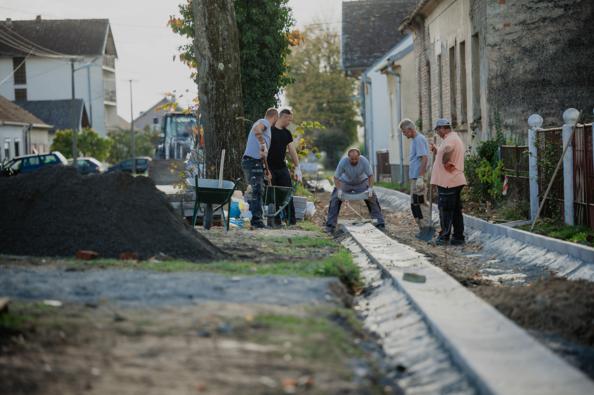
{"x": 416, "y": 359}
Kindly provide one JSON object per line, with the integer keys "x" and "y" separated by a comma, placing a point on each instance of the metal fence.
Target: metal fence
{"x": 515, "y": 167}
{"x": 583, "y": 176}
{"x": 549, "y": 148}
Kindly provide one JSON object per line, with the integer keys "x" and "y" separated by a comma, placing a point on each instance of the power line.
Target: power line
{"x": 26, "y": 48}
{"x": 27, "y": 41}
{"x": 15, "y": 70}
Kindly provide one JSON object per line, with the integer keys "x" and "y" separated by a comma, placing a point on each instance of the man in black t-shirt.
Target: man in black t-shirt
{"x": 281, "y": 140}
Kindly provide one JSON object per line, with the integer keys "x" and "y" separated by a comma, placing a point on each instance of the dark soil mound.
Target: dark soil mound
{"x": 56, "y": 212}
{"x": 556, "y": 304}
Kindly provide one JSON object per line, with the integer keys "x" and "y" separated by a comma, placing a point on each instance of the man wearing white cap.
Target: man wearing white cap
{"x": 448, "y": 175}
{"x": 353, "y": 175}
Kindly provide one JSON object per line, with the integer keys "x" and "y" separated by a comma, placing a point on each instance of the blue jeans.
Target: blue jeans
{"x": 372, "y": 204}
{"x": 253, "y": 171}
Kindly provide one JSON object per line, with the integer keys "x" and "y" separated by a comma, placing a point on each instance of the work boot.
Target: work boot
{"x": 329, "y": 230}
{"x": 440, "y": 241}
{"x": 457, "y": 242}
{"x": 381, "y": 227}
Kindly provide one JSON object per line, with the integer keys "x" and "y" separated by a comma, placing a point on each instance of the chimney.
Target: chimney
{"x": 9, "y": 21}
{"x": 38, "y": 18}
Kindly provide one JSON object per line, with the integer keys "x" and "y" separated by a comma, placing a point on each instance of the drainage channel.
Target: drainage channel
{"x": 419, "y": 362}
{"x": 502, "y": 259}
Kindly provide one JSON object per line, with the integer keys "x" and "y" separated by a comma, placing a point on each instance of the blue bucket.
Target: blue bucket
{"x": 234, "y": 212}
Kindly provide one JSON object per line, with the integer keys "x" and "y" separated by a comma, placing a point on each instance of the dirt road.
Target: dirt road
{"x": 266, "y": 321}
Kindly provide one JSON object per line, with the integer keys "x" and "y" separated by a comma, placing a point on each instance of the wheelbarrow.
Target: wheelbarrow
{"x": 348, "y": 197}
{"x": 276, "y": 199}
{"x": 214, "y": 194}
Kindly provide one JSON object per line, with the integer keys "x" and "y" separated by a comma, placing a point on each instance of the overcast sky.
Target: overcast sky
{"x": 144, "y": 43}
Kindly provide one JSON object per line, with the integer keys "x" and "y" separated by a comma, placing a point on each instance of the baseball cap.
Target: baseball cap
{"x": 441, "y": 122}
{"x": 354, "y": 149}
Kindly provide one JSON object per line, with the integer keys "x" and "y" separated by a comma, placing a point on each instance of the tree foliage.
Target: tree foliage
{"x": 265, "y": 40}
{"x": 89, "y": 143}
{"x": 321, "y": 92}
{"x": 120, "y": 149}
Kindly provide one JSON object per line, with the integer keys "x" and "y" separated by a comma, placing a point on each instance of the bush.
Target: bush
{"x": 89, "y": 143}
{"x": 145, "y": 143}
{"x": 484, "y": 172}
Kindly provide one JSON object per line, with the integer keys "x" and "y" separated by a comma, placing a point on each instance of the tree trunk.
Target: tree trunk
{"x": 216, "y": 45}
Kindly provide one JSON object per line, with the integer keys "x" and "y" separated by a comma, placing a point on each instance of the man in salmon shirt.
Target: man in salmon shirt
{"x": 448, "y": 175}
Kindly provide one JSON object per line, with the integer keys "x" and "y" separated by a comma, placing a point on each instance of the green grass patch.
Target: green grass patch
{"x": 317, "y": 337}
{"x": 396, "y": 187}
{"x": 12, "y": 322}
{"x": 556, "y": 230}
{"x": 300, "y": 190}
{"x": 303, "y": 241}
{"x": 339, "y": 264}
{"x": 308, "y": 226}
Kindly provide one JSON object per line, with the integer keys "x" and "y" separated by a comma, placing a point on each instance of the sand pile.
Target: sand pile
{"x": 56, "y": 212}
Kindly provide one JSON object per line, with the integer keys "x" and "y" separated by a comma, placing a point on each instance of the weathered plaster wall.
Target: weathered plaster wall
{"x": 540, "y": 59}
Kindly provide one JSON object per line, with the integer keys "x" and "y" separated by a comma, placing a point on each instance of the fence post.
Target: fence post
{"x": 534, "y": 123}
{"x": 570, "y": 117}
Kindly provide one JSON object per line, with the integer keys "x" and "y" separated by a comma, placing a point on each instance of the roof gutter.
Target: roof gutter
{"x": 35, "y": 125}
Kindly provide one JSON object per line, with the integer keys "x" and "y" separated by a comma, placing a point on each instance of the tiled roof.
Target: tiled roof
{"x": 370, "y": 29}
{"x": 59, "y": 113}
{"x": 10, "y": 112}
{"x": 66, "y": 36}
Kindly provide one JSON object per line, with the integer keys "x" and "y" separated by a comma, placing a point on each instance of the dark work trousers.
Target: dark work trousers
{"x": 372, "y": 204}
{"x": 282, "y": 178}
{"x": 450, "y": 213}
{"x": 253, "y": 171}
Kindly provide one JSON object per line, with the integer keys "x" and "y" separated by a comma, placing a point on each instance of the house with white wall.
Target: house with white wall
{"x": 153, "y": 117}
{"x": 21, "y": 133}
{"x": 38, "y": 58}
{"x": 390, "y": 96}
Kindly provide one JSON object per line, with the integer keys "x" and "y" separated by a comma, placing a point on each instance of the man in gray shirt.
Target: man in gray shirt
{"x": 353, "y": 175}
{"x": 253, "y": 160}
{"x": 418, "y": 161}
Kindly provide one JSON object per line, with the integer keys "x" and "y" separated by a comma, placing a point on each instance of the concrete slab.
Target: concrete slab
{"x": 500, "y": 356}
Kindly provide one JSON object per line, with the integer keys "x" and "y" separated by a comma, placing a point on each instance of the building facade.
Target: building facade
{"x": 39, "y": 57}
{"x": 21, "y": 133}
{"x": 488, "y": 65}
{"x": 153, "y": 117}
{"x": 390, "y": 95}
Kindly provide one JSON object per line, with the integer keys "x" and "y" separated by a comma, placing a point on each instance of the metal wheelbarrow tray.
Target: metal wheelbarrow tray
{"x": 214, "y": 194}
{"x": 276, "y": 199}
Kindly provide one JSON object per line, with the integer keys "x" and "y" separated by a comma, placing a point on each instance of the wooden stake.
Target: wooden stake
{"x": 221, "y": 168}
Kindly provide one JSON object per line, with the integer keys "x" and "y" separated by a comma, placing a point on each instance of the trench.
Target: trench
{"x": 415, "y": 359}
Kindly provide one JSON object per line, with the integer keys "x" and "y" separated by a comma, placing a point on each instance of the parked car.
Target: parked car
{"x": 30, "y": 163}
{"x": 142, "y": 165}
{"x": 89, "y": 165}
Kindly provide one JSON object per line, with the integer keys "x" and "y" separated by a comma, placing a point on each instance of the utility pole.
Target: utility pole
{"x": 75, "y": 119}
{"x": 133, "y": 135}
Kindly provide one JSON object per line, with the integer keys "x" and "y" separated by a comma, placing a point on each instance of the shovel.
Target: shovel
{"x": 426, "y": 233}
